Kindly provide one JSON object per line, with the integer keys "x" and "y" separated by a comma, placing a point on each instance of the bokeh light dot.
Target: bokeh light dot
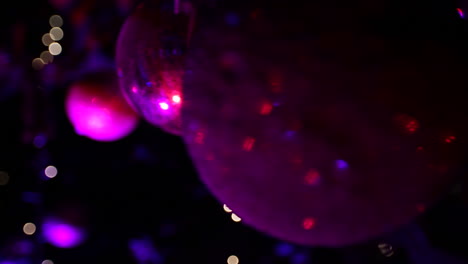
{"x": 47, "y": 39}
{"x": 176, "y": 99}
{"x": 233, "y": 259}
{"x": 56, "y": 33}
{"x": 47, "y": 57}
{"x": 55, "y": 48}
{"x": 163, "y": 105}
{"x": 227, "y": 209}
{"x": 38, "y": 64}
{"x": 235, "y": 218}
{"x": 47, "y": 261}
{"x": 29, "y": 228}
{"x": 50, "y": 171}
{"x": 4, "y": 178}
{"x": 308, "y": 223}
{"x": 55, "y": 21}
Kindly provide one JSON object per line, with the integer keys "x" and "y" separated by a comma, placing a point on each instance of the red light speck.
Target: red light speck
{"x": 266, "y": 109}
{"x": 419, "y": 148}
{"x": 421, "y": 208}
{"x": 450, "y": 139}
{"x": 312, "y": 177}
{"x": 248, "y": 143}
{"x": 199, "y": 138}
{"x": 308, "y": 223}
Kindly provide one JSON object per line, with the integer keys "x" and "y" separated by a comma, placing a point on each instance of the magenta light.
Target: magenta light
{"x": 99, "y": 115}
{"x": 61, "y": 234}
{"x": 460, "y": 12}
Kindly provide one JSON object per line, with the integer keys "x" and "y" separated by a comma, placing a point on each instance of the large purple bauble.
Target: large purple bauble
{"x": 150, "y": 62}
{"x": 320, "y": 130}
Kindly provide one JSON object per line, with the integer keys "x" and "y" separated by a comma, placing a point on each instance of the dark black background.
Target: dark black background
{"x": 143, "y": 186}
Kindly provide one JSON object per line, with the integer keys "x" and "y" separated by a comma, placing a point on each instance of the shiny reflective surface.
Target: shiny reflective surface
{"x": 150, "y": 59}
{"x": 319, "y": 139}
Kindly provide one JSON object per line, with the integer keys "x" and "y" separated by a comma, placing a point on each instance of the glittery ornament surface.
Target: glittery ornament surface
{"x": 150, "y": 59}
{"x": 326, "y": 133}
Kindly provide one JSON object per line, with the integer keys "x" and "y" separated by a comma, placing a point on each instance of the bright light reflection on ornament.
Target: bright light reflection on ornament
{"x": 61, "y": 234}
{"x": 163, "y": 105}
{"x": 235, "y": 218}
{"x": 227, "y": 209}
{"x": 176, "y": 99}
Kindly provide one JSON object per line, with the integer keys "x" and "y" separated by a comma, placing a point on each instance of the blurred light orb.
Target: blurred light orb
{"x": 62, "y": 234}
{"x": 97, "y": 110}
{"x": 150, "y": 58}
{"x": 233, "y": 259}
{"x": 29, "y": 228}
{"x": 55, "y": 48}
{"x": 50, "y": 171}
{"x": 56, "y": 33}
{"x": 47, "y": 261}
{"x": 292, "y": 123}
{"x": 47, "y": 39}
{"x": 55, "y": 21}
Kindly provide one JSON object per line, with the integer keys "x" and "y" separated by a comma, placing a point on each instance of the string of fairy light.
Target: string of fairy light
{"x": 51, "y": 41}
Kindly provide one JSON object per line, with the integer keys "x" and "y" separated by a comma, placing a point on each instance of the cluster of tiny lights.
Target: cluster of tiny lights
{"x": 50, "y": 41}
{"x": 50, "y": 171}
{"x": 29, "y": 228}
{"x": 233, "y": 259}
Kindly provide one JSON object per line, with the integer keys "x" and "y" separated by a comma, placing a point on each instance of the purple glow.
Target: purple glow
{"x": 341, "y": 164}
{"x": 460, "y": 12}
{"x": 143, "y": 250}
{"x": 99, "y": 116}
{"x": 62, "y": 235}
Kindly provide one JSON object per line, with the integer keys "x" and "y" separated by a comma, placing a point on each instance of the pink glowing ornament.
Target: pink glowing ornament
{"x": 150, "y": 59}
{"x": 97, "y": 110}
{"x": 62, "y": 234}
{"x": 316, "y": 128}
